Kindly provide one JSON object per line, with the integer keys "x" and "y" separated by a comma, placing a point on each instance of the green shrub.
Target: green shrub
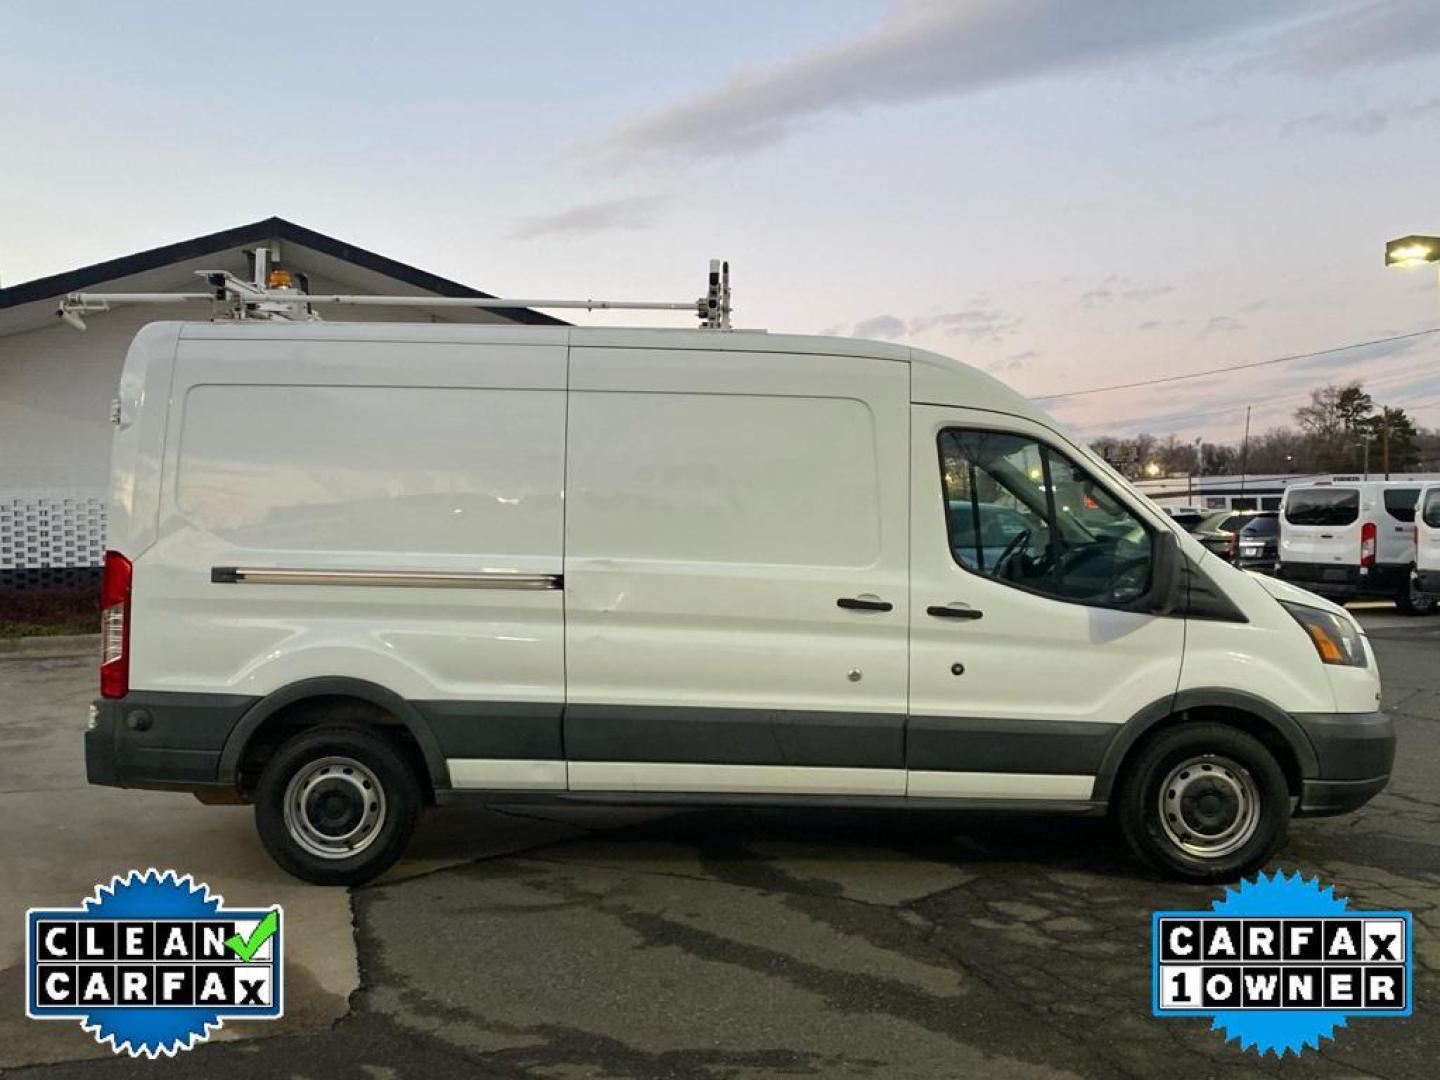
{"x": 58, "y": 609}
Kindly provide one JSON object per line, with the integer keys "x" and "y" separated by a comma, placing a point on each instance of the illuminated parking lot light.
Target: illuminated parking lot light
{"x": 1412, "y": 251}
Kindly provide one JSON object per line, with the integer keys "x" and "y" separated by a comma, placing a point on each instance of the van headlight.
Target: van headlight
{"x": 1334, "y": 636}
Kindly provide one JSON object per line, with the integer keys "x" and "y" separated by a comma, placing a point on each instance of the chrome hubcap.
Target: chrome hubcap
{"x": 1209, "y": 806}
{"x": 334, "y": 807}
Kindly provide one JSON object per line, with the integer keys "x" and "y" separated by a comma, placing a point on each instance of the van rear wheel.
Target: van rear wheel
{"x": 1204, "y": 802}
{"x": 1409, "y": 601}
{"x": 336, "y": 805}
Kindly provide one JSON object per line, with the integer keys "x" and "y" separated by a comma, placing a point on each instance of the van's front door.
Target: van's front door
{"x": 1427, "y": 541}
{"x": 1395, "y": 527}
{"x": 1022, "y": 662}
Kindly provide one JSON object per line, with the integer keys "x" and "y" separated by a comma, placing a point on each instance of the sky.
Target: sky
{"x": 1067, "y": 195}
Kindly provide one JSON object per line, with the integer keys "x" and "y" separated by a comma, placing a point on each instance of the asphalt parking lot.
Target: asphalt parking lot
{"x": 712, "y": 943}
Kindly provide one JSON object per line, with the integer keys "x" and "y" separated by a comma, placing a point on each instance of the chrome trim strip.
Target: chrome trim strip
{"x": 406, "y": 579}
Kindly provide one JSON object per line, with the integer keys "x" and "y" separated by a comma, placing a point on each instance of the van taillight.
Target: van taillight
{"x": 115, "y": 626}
{"x": 1234, "y": 546}
{"x": 1367, "y": 544}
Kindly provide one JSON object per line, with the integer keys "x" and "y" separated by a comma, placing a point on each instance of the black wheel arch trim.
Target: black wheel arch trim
{"x": 334, "y": 686}
{"x": 1157, "y": 712}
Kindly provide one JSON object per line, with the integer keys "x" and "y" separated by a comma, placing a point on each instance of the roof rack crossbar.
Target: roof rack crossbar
{"x": 234, "y": 298}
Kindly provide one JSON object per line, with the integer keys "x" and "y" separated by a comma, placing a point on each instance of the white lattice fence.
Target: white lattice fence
{"x": 50, "y": 536}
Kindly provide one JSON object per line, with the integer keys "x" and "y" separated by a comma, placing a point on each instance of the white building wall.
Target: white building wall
{"x": 56, "y": 386}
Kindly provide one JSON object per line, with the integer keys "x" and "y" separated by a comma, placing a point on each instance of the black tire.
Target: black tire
{"x": 347, "y": 771}
{"x": 1230, "y": 767}
{"x": 1409, "y": 602}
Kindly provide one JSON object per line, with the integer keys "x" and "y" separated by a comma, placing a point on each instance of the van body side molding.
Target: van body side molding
{"x": 995, "y": 745}
{"x": 405, "y": 579}
{"x": 734, "y": 736}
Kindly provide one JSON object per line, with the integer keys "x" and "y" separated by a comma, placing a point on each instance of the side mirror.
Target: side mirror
{"x": 1168, "y": 580}
{"x": 1167, "y": 564}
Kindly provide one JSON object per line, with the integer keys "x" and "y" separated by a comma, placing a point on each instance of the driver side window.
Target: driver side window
{"x": 1021, "y": 513}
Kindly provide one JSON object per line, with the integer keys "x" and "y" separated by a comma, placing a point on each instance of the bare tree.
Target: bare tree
{"x": 1334, "y": 432}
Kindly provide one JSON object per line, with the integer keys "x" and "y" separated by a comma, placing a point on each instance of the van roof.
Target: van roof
{"x": 1311, "y": 484}
{"x": 934, "y": 378}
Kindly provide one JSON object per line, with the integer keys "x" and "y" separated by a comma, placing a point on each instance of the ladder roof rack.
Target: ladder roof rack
{"x": 271, "y": 296}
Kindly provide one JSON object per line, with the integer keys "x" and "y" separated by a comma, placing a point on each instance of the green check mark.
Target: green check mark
{"x": 246, "y": 948}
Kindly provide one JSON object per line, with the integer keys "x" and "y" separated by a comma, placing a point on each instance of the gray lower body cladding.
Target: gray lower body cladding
{"x": 1427, "y": 582}
{"x": 159, "y": 739}
{"x": 152, "y": 739}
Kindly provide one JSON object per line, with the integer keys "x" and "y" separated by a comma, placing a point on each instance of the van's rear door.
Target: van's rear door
{"x": 1320, "y": 525}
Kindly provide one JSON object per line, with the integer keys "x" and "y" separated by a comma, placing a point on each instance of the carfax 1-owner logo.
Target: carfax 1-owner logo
{"x": 152, "y": 963}
{"x": 1281, "y": 963}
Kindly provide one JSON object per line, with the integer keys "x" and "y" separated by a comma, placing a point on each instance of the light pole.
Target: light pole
{"x": 1406, "y": 252}
{"x": 1199, "y": 466}
{"x": 1245, "y": 451}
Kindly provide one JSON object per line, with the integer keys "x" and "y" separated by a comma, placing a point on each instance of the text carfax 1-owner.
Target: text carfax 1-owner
{"x": 1281, "y": 963}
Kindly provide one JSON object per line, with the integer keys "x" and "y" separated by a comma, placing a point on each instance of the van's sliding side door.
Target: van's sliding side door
{"x": 736, "y": 601}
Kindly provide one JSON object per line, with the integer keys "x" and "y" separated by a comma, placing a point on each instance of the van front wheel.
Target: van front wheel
{"x": 336, "y": 805}
{"x": 1204, "y": 802}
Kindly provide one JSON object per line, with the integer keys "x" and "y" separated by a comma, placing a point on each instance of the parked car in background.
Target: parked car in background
{"x": 1219, "y": 531}
{"x": 1257, "y": 542}
{"x": 980, "y": 532}
{"x": 1187, "y": 517}
{"x": 1353, "y": 540}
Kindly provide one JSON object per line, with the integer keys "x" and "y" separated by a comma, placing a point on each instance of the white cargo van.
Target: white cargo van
{"x": 1427, "y": 543}
{"x": 1352, "y": 540}
{"x": 359, "y": 569}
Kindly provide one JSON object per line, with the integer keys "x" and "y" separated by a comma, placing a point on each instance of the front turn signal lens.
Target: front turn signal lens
{"x": 1324, "y": 644}
{"x": 1335, "y": 637}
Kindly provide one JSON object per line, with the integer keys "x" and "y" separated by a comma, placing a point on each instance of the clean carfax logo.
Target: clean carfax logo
{"x": 152, "y": 963}
{"x": 1280, "y": 963}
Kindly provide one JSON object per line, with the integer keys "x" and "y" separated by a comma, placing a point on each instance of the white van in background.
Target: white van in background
{"x": 1353, "y": 540}
{"x": 1427, "y": 543}
{"x": 362, "y": 568}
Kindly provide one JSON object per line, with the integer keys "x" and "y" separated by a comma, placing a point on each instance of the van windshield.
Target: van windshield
{"x": 1322, "y": 506}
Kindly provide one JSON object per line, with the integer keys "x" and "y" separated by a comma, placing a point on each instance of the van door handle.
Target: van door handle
{"x": 949, "y": 611}
{"x": 856, "y": 603}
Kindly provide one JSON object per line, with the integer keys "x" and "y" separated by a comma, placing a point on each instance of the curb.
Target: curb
{"x": 56, "y": 645}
